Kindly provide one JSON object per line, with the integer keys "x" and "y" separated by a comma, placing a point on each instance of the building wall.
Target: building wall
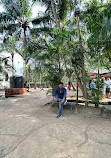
{"x": 18, "y": 66}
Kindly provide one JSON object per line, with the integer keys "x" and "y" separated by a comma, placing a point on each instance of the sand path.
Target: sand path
{"x": 30, "y": 129}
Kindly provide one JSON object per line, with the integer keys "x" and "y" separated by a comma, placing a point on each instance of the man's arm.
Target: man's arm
{"x": 64, "y": 97}
{"x": 54, "y": 95}
{"x": 62, "y": 100}
{"x": 55, "y": 98}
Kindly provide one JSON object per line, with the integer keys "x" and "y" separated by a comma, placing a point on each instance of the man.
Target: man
{"x": 93, "y": 87}
{"x": 60, "y": 96}
{"x": 108, "y": 87}
{"x": 69, "y": 85}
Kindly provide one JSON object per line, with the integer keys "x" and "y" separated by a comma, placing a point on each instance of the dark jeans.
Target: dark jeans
{"x": 60, "y": 105}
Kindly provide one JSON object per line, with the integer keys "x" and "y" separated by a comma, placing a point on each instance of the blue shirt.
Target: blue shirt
{"x": 60, "y": 93}
{"x": 93, "y": 85}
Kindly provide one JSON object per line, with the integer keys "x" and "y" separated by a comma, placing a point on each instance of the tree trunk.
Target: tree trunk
{"x": 75, "y": 2}
{"x": 25, "y": 53}
{"x": 78, "y": 78}
{"x": 82, "y": 62}
{"x": 98, "y": 82}
{"x": 13, "y": 73}
{"x": 26, "y": 71}
{"x": 40, "y": 79}
{"x": 72, "y": 84}
{"x": 35, "y": 85}
{"x": 59, "y": 63}
{"x": 55, "y": 15}
{"x": 58, "y": 26}
{"x": 108, "y": 55}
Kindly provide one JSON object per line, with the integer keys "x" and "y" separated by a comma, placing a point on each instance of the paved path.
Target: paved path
{"x": 28, "y": 129}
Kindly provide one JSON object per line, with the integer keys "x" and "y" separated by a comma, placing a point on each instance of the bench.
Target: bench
{"x": 71, "y": 105}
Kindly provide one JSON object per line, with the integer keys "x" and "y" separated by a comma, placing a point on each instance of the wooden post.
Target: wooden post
{"x": 77, "y": 94}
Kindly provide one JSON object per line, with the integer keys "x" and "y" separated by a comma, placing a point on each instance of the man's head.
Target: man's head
{"x": 60, "y": 85}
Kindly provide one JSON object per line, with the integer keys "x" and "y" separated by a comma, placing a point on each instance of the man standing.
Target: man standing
{"x": 26, "y": 85}
{"x": 93, "y": 87}
{"x": 60, "y": 96}
{"x": 108, "y": 87}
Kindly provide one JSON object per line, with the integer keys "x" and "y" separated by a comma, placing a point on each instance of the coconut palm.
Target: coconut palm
{"x": 15, "y": 21}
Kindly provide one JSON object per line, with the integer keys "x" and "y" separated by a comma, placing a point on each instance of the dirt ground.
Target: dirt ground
{"x": 29, "y": 129}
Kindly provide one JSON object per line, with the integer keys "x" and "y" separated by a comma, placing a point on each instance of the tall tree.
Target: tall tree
{"x": 97, "y": 18}
{"x": 81, "y": 53}
{"x": 15, "y": 20}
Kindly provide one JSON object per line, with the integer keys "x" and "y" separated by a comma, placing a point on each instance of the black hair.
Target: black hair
{"x": 60, "y": 82}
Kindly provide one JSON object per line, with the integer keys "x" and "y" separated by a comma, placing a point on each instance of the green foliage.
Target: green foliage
{"x": 54, "y": 52}
{"x": 69, "y": 72}
{"x": 4, "y": 66}
{"x": 97, "y": 93}
{"x": 49, "y": 93}
{"x": 54, "y": 77}
{"x": 61, "y": 7}
{"x": 39, "y": 20}
{"x": 98, "y": 23}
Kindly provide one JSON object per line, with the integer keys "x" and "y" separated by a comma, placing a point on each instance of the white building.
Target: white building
{"x": 7, "y": 69}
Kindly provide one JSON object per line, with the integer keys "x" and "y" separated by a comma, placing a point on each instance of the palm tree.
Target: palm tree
{"x": 82, "y": 56}
{"x": 58, "y": 11}
{"x": 15, "y": 20}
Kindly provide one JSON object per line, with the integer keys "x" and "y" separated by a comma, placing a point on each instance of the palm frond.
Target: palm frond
{"x": 62, "y": 9}
{"x": 34, "y": 46}
{"x": 26, "y": 9}
{"x": 106, "y": 30}
{"x": 10, "y": 28}
{"x": 40, "y": 30}
{"x": 44, "y": 19}
{"x": 46, "y": 3}
{"x": 4, "y": 17}
{"x": 11, "y": 8}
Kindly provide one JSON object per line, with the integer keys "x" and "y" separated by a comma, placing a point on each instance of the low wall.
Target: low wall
{"x": 14, "y": 91}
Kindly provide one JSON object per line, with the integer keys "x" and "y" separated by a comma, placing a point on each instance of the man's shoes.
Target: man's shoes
{"x": 59, "y": 116}
{"x": 65, "y": 102}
